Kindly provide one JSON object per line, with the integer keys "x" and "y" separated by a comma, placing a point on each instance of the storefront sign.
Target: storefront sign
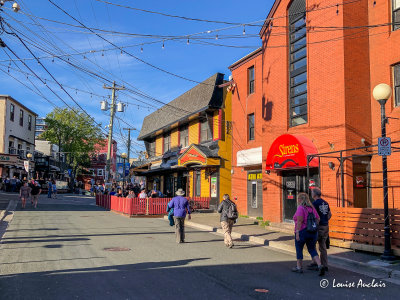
{"x": 192, "y": 156}
{"x": 290, "y": 151}
{"x": 360, "y": 181}
{"x": 312, "y": 184}
{"x": 254, "y": 176}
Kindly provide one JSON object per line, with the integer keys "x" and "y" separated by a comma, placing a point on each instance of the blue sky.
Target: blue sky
{"x": 196, "y": 60}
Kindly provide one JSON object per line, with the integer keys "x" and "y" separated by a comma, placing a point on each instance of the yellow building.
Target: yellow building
{"x": 189, "y": 143}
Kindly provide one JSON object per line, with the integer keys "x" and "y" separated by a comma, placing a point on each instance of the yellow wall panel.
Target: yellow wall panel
{"x": 190, "y": 184}
{"x": 194, "y": 132}
{"x": 174, "y": 138}
{"x": 216, "y": 125}
{"x": 159, "y": 145}
{"x": 205, "y": 184}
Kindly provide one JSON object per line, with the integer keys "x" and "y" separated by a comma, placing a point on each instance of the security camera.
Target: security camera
{"x": 15, "y": 7}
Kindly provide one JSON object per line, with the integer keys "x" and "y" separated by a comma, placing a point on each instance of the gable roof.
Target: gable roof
{"x": 202, "y": 96}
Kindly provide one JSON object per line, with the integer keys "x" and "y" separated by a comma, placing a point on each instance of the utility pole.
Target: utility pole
{"x": 110, "y": 127}
{"x": 129, "y": 149}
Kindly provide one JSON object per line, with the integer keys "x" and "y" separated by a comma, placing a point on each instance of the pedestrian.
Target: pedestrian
{"x": 181, "y": 206}
{"x": 120, "y": 193}
{"x": 131, "y": 194}
{"x": 50, "y": 188}
{"x": 36, "y": 191}
{"x": 25, "y": 193}
{"x": 54, "y": 191}
{"x": 143, "y": 194}
{"x": 13, "y": 183}
{"x": 229, "y": 214}
{"x": 324, "y": 212}
{"x": 306, "y": 221}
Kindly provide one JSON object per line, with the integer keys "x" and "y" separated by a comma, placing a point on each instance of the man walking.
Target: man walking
{"x": 324, "y": 212}
{"x": 228, "y": 212}
{"x": 36, "y": 191}
{"x": 181, "y": 207}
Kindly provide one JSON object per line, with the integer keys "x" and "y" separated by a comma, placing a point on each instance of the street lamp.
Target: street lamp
{"x": 124, "y": 156}
{"x": 29, "y": 156}
{"x": 382, "y": 93}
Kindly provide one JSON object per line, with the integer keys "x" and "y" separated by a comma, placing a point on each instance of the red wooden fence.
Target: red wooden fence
{"x": 148, "y": 206}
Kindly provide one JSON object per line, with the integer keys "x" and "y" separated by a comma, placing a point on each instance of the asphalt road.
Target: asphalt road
{"x": 58, "y": 252}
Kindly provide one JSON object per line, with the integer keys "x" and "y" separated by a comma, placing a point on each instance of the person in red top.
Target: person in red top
{"x": 304, "y": 234}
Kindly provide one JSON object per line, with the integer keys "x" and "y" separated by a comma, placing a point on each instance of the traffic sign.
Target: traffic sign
{"x": 384, "y": 146}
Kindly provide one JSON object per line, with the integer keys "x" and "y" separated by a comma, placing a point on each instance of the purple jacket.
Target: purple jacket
{"x": 180, "y": 205}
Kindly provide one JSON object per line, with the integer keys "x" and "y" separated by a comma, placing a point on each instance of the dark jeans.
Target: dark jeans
{"x": 179, "y": 229}
{"x": 308, "y": 238}
{"x": 323, "y": 233}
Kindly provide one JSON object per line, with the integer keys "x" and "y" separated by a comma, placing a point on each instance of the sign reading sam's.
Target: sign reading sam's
{"x": 290, "y": 151}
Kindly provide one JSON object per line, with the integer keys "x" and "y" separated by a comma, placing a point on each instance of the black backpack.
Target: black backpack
{"x": 232, "y": 211}
{"x": 311, "y": 222}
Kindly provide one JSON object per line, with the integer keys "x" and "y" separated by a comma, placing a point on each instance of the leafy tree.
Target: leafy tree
{"x": 75, "y": 133}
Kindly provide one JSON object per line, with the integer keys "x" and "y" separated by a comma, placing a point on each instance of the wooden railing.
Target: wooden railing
{"x": 364, "y": 225}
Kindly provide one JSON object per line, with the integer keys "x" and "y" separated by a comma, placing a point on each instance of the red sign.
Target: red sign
{"x": 290, "y": 151}
{"x": 192, "y": 155}
{"x": 360, "y": 181}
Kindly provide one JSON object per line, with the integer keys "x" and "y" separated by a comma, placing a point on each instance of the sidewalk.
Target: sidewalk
{"x": 247, "y": 229}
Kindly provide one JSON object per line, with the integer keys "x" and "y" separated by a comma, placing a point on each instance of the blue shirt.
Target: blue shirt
{"x": 323, "y": 209}
{"x": 180, "y": 205}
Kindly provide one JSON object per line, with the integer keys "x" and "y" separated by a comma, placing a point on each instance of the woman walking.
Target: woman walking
{"x": 54, "y": 190}
{"x": 25, "y": 193}
{"x": 306, "y": 221}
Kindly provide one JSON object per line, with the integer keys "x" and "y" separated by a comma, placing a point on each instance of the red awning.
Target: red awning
{"x": 290, "y": 152}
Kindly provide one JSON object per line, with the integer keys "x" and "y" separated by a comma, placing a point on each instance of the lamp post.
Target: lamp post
{"x": 124, "y": 156}
{"x": 29, "y": 156}
{"x": 382, "y": 93}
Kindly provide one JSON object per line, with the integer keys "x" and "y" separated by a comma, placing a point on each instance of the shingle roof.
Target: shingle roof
{"x": 202, "y": 96}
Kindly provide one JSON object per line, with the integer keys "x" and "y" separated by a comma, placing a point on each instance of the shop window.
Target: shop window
{"x": 396, "y": 75}
{"x": 298, "y": 63}
{"x": 250, "y": 124}
{"x": 184, "y": 136}
{"x": 198, "y": 184}
{"x": 206, "y": 129}
{"x": 12, "y": 110}
{"x": 151, "y": 147}
{"x": 29, "y": 122}
{"x": 396, "y": 14}
{"x": 167, "y": 142}
{"x": 21, "y": 117}
{"x": 250, "y": 76}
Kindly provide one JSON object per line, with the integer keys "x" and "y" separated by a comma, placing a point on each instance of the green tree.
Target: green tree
{"x": 75, "y": 133}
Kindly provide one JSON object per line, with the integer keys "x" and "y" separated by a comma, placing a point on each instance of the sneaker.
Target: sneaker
{"x": 297, "y": 270}
{"x": 230, "y": 246}
{"x": 321, "y": 270}
{"x": 312, "y": 266}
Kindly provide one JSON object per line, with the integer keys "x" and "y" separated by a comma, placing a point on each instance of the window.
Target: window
{"x": 396, "y": 80}
{"x": 167, "y": 142}
{"x": 298, "y": 63}
{"x": 29, "y": 122}
{"x": 396, "y": 14}
{"x": 100, "y": 172}
{"x": 21, "y": 117}
{"x": 184, "y": 136}
{"x": 12, "y": 109}
{"x": 198, "y": 184}
{"x": 206, "y": 129}
{"x": 152, "y": 151}
{"x": 250, "y": 124}
{"x": 250, "y": 75}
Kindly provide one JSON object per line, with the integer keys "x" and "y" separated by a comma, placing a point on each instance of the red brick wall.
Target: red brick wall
{"x": 384, "y": 52}
{"x": 339, "y": 85}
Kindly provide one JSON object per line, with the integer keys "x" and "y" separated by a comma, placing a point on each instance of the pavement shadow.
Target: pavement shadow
{"x": 186, "y": 279}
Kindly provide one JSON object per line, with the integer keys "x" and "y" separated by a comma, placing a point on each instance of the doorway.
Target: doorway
{"x": 361, "y": 182}
{"x": 293, "y": 183}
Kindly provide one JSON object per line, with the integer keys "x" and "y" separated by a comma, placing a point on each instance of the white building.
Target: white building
{"x": 17, "y": 136}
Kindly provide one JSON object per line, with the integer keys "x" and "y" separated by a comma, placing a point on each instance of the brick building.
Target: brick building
{"x": 307, "y": 90}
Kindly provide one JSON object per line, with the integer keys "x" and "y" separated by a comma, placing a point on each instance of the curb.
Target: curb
{"x": 6, "y": 217}
{"x": 341, "y": 262}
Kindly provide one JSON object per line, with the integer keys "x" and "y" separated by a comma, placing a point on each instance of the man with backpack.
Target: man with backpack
{"x": 324, "y": 212}
{"x": 229, "y": 214}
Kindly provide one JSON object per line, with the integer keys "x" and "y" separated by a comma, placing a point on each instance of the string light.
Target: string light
{"x": 216, "y": 37}
{"x": 163, "y": 44}
{"x": 244, "y": 29}
{"x": 102, "y": 53}
{"x": 141, "y": 49}
{"x": 122, "y": 51}
{"x": 337, "y": 9}
{"x": 52, "y": 60}
{"x": 187, "y": 41}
